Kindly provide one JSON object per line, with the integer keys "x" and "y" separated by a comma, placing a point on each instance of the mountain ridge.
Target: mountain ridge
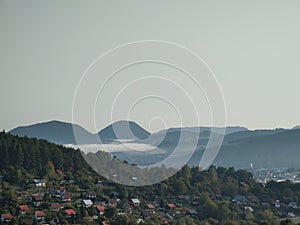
{"x": 54, "y": 131}
{"x": 296, "y": 127}
{"x": 61, "y": 132}
{"x": 263, "y": 148}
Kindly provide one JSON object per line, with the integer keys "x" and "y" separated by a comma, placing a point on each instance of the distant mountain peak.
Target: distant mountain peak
{"x": 123, "y": 129}
{"x": 54, "y": 131}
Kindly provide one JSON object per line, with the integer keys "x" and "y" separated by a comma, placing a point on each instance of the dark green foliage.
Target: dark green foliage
{"x": 110, "y": 212}
{"x": 33, "y": 155}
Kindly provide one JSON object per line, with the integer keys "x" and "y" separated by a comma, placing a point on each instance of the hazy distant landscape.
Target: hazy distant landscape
{"x": 149, "y": 112}
{"x": 241, "y": 147}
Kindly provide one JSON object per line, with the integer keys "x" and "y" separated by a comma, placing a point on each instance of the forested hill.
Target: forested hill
{"x": 215, "y": 196}
{"x": 36, "y": 156}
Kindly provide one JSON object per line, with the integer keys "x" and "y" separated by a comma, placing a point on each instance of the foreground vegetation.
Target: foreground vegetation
{"x": 215, "y": 196}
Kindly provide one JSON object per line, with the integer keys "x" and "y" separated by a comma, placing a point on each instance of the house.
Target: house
{"x": 91, "y": 195}
{"x": 112, "y": 202}
{"x": 100, "y": 209}
{"x": 70, "y": 212}
{"x": 39, "y": 182}
{"x": 66, "y": 197}
{"x": 249, "y": 208}
{"x": 62, "y": 182}
{"x": 87, "y": 203}
{"x": 164, "y": 220}
{"x": 239, "y": 199}
{"x": 115, "y": 194}
{"x": 170, "y": 214}
{"x": 23, "y": 209}
{"x": 183, "y": 197}
{"x": 59, "y": 172}
{"x": 55, "y": 207}
{"x": 127, "y": 208}
{"x": 171, "y": 206}
{"x": 135, "y": 202}
{"x": 150, "y": 208}
{"x": 293, "y": 205}
{"x": 157, "y": 202}
{"x": 39, "y": 215}
{"x": 37, "y": 199}
{"x": 146, "y": 214}
{"x": 105, "y": 223}
{"x": 191, "y": 212}
{"x": 277, "y": 204}
{"x": 195, "y": 201}
{"x": 6, "y": 217}
{"x": 61, "y": 190}
{"x": 219, "y": 196}
{"x": 265, "y": 204}
{"x": 291, "y": 215}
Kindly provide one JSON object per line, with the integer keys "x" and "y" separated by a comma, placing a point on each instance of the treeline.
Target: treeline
{"x": 36, "y": 156}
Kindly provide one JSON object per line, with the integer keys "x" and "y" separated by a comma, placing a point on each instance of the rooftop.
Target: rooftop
{"x": 24, "y": 207}
{"x": 70, "y": 212}
{"x": 40, "y": 214}
{"x": 7, "y": 216}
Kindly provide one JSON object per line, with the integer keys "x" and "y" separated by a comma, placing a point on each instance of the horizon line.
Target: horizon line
{"x": 172, "y": 127}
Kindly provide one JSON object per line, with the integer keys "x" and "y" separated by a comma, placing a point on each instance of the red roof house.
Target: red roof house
{"x": 70, "y": 212}
{"x": 150, "y": 206}
{"x": 37, "y": 199}
{"x": 171, "y": 206}
{"x": 58, "y": 171}
{"x": 6, "y": 217}
{"x": 66, "y": 197}
{"x": 23, "y": 209}
{"x": 39, "y": 215}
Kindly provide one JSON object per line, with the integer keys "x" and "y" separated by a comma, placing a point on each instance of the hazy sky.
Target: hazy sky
{"x": 253, "y": 47}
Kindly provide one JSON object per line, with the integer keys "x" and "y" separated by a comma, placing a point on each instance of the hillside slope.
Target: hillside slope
{"x": 56, "y": 132}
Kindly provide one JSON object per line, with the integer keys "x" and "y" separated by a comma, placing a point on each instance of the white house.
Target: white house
{"x": 39, "y": 182}
{"x": 277, "y": 204}
{"x": 87, "y": 203}
{"x": 135, "y": 202}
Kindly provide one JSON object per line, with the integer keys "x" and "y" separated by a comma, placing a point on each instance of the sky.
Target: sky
{"x": 252, "y": 47}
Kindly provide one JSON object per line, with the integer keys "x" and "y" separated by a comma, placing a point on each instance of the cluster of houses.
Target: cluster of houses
{"x": 90, "y": 200}
{"x": 279, "y": 175}
{"x": 61, "y": 200}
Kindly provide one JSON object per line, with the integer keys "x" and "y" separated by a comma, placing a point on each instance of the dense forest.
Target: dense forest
{"x": 214, "y": 196}
{"x": 35, "y": 156}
